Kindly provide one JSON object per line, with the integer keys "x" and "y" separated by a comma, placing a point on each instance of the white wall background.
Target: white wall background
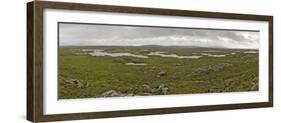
{"x": 13, "y": 61}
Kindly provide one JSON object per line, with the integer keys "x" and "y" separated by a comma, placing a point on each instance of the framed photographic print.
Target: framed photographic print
{"x": 97, "y": 61}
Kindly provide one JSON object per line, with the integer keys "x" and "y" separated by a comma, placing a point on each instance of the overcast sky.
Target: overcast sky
{"x": 85, "y": 34}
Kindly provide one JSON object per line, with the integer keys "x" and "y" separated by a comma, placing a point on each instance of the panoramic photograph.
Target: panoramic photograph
{"x": 106, "y": 60}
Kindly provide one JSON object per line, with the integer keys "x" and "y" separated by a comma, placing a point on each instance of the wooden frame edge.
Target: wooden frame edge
{"x": 30, "y": 88}
{"x": 143, "y": 112}
{"x": 29, "y": 49}
{"x": 35, "y": 61}
{"x": 153, "y": 11}
{"x": 271, "y": 54}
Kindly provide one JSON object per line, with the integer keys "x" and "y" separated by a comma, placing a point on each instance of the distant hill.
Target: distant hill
{"x": 153, "y": 46}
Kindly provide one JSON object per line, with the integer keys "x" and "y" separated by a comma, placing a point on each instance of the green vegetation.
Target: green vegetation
{"x": 84, "y": 76}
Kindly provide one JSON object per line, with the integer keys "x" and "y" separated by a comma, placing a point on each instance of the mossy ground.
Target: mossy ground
{"x": 108, "y": 73}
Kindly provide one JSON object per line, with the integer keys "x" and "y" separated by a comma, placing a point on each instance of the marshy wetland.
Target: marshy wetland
{"x": 117, "y": 71}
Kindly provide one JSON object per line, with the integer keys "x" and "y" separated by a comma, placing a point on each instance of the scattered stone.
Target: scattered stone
{"x": 254, "y": 87}
{"x": 147, "y": 94}
{"x": 163, "y": 89}
{"x": 113, "y": 93}
{"x": 154, "y": 91}
{"x": 121, "y": 95}
{"x": 76, "y": 83}
{"x": 162, "y": 73}
{"x": 72, "y": 81}
{"x": 80, "y": 85}
{"x": 130, "y": 95}
{"x": 227, "y": 87}
{"x": 129, "y": 90}
{"x": 87, "y": 85}
{"x": 161, "y": 86}
{"x": 159, "y": 90}
{"x": 110, "y": 93}
{"x": 208, "y": 69}
{"x": 146, "y": 87}
{"x": 221, "y": 66}
{"x": 179, "y": 64}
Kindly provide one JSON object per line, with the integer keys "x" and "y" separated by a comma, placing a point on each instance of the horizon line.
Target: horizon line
{"x": 150, "y": 45}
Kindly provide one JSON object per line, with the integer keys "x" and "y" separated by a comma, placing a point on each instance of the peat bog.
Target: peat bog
{"x": 118, "y": 71}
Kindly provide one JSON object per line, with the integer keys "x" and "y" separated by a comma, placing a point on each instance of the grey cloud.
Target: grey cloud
{"x": 84, "y": 34}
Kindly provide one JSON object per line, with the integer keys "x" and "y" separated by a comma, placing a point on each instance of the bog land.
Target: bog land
{"x": 117, "y": 71}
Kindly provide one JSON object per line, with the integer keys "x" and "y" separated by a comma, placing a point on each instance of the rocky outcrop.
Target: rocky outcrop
{"x": 77, "y": 83}
{"x": 209, "y": 69}
{"x": 163, "y": 89}
{"x": 254, "y": 85}
{"x": 162, "y": 73}
{"x": 110, "y": 93}
{"x": 113, "y": 93}
{"x": 159, "y": 90}
{"x": 146, "y": 87}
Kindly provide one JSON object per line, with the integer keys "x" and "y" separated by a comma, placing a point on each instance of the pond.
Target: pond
{"x": 99, "y": 52}
{"x": 211, "y": 55}
{"x": 251, "y": 52}
{"x": 102, "y": 53}
{"x": 138, "y": 64}
{"x": 163, "y": 54}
